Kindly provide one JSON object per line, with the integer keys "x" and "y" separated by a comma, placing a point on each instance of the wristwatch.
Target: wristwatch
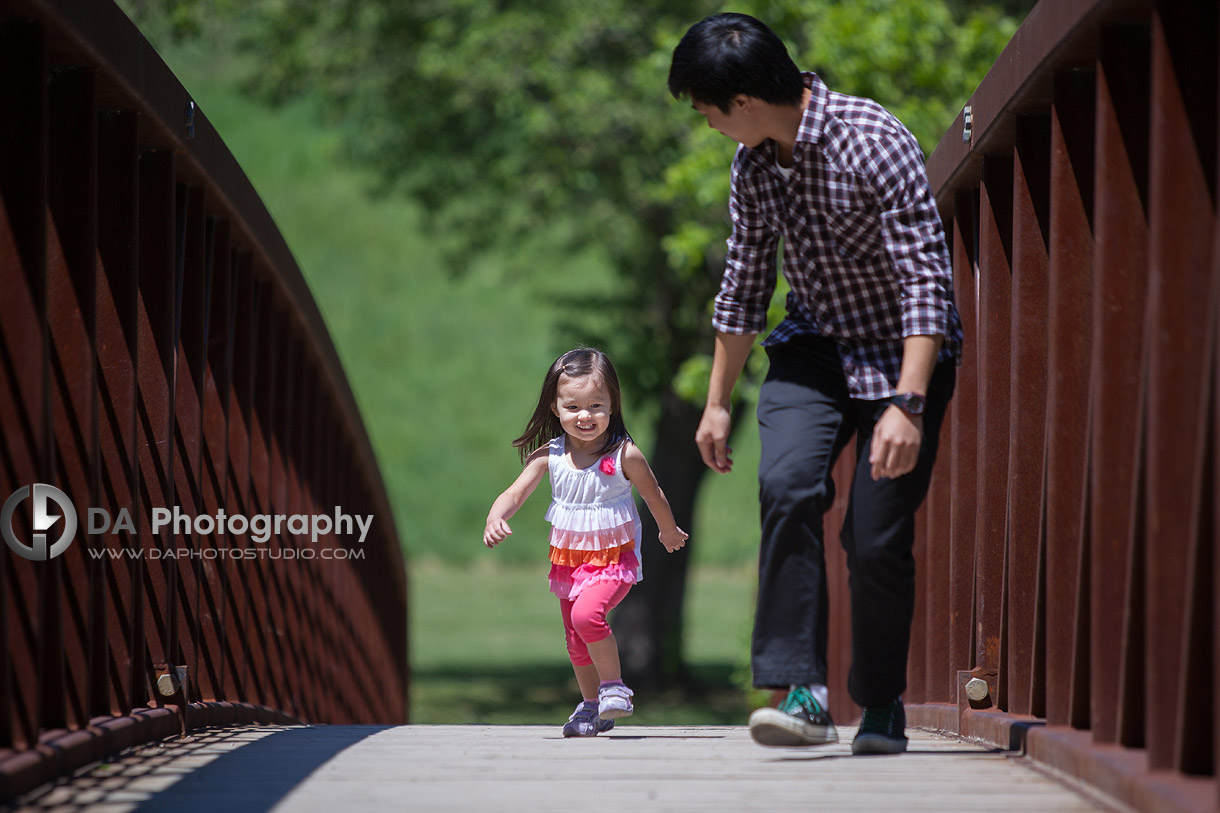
{"x": 912, "y": 403}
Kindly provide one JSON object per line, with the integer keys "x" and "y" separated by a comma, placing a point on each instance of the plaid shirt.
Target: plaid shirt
{"x": 864, "y": 251}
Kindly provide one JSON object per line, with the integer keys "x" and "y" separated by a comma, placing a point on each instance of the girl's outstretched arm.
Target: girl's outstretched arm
{"x": 637, "y": 470}
{"x": 514, "y": 497}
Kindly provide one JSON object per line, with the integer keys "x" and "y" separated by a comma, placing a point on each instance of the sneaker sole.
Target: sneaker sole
{"x": 602, "y": 728}
{"x": 576, "y": 735}
{"x": 773, "y": 727}
{"x": 878, "y": 744}
{"x": 615, "y": 714}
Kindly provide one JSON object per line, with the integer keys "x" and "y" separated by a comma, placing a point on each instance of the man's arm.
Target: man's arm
{"x": 739, "y": 313}
{"x": 728, "y": 360}
{"x": 915, "y": 242}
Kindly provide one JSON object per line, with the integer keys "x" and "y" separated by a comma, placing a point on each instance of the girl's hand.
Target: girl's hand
{"x": 497, "y": 531}
{"x": 673, "y": 539}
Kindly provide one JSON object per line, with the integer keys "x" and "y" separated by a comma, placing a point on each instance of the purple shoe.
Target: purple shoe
{"x": 584, "y": 722}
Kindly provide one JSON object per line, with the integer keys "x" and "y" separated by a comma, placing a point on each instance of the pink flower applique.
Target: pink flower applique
{"x": 607, "y": 466}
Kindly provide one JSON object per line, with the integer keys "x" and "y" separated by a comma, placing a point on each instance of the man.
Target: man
{"x": 869, "y": 345}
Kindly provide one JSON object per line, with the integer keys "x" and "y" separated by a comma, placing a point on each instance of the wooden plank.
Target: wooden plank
{"x": 479, "y": 767}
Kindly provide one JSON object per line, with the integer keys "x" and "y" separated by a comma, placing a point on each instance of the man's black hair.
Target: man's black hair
{"x": 730, "y": 54}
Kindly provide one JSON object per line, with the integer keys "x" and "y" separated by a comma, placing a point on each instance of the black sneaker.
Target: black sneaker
{"x": 799, "y": 720}
{"x": 882, "y": 730}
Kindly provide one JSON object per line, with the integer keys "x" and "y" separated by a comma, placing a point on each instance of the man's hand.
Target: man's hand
{"x": 896, "y": 441}
{"x": 712, "y": 438}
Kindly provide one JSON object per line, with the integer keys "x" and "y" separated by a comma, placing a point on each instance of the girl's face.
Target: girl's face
{"x": 583, "y": 407}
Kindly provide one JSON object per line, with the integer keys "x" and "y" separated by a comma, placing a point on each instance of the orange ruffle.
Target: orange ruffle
{"x": 597, "y": 558}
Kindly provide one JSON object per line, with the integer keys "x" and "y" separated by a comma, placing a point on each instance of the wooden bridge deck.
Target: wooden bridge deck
{"x": 342, "y": 769}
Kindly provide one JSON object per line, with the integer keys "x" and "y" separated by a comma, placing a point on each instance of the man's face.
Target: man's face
{"x": 738, "y": 124}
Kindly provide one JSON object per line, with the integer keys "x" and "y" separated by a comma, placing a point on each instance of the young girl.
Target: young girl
{"x": 577, "y": 435}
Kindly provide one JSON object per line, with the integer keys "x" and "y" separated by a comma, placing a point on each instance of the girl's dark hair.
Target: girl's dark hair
{"x": 730, "y": 54}
{"x": 544, "y": 423}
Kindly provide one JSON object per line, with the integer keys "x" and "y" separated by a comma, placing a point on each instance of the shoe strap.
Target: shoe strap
{"x": 583, "y": 713}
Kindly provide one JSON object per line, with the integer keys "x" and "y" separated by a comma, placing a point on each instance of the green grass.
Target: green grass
{"x": 445, "y": 364}
{"x": 488, "y": 647}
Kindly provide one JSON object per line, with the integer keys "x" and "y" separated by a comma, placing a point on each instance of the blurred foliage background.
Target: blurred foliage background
{"x": 472, "y": 187}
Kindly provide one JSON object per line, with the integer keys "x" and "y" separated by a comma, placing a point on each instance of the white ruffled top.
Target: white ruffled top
{"x": 595, "y": 527}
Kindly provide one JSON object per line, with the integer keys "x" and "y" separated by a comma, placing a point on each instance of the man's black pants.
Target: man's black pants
{"x": 806, "y": 416}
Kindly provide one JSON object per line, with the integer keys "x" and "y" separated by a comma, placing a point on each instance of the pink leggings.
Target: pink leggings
{"x": 584, "y": 620}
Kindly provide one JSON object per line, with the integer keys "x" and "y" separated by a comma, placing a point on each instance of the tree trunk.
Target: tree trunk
{"x": 649, "y": 622}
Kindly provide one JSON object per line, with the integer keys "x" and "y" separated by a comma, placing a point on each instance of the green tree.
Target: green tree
{"x": 919, "y": 59}
{"x": 549, "y": 117}
{"x": 518, "y": 118}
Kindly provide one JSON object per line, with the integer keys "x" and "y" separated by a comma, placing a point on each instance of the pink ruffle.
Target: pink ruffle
{"x": 568, "y": 582}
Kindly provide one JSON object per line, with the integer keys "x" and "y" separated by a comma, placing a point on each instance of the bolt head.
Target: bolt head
{"x": 165, "y": 685}
{"x": 976, "y": 689}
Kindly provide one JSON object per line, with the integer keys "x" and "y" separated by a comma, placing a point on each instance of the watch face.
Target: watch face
{"x": 911, "y": 403}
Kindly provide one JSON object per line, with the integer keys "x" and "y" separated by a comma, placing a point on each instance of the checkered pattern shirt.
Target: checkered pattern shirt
{"x": 864, "y": 251}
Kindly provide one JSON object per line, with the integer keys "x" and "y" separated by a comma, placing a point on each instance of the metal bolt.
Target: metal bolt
{"x": 165, "y": 685}
{"x": 967, "y": 124}
{"x": 976, "y": 689}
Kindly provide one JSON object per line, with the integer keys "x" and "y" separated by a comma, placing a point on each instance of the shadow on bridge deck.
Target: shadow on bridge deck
{"x": 495, "y": 768}
{"x": 234, "y": 770}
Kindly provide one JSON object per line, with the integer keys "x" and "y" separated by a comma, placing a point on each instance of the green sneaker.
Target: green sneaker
{"x": 800, "y": 720}
{"x": 882, "y": 730}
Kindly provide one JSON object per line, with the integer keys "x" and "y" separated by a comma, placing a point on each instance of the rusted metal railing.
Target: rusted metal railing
{"x": 159, "y": 349}
{"x": 1067, "y": 551}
